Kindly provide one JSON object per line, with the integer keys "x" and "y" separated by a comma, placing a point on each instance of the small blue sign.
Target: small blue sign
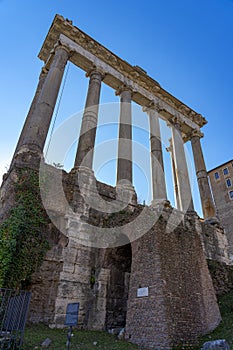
{"x": 72, "y": 314}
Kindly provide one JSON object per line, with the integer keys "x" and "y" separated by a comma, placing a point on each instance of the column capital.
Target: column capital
{"x": 152, "y": 106}
{"x": 124, "y": 87}
{"x": 177, "y": 123}
{"x": 196, "y": 133}
{"x": 60, "y": 45}
{"x": 94, "y": 70}
{"x": 44, "y": 70}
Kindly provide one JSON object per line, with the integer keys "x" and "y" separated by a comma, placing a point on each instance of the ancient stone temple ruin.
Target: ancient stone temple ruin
{"x": 138, "y": 267}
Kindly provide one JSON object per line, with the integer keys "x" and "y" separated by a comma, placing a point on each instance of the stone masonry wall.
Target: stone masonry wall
{"x": 44, "y": 286}
{"x": 225, "y": 215}
{"x": 223, "y": 201}
{"x": 181, "y": 303}
{"x": 215, "y": 243}
{"x": 222, "y": 277}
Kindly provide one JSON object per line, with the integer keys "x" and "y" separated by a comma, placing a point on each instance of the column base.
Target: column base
{"x": 160, "y": 202}
{"x": 126, "y": 193}
{"x": 28, "y": 155}
{"x": 212, "y": 220}
{"x": 191, "y": 211}
{"x": 82, "y": 169}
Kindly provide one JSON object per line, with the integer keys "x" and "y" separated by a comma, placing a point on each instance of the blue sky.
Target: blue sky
{"x": 187, "y": 46}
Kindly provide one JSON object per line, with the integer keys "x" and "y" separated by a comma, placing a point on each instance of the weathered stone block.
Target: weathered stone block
{"x": 220, "y": 344}
{"x": 46, "y": 343}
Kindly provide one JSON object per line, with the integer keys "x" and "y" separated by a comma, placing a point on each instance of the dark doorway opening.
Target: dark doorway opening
{"x": 118, "y": 260}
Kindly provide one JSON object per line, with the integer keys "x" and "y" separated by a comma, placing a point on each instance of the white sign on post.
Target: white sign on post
{"x": 143, "y": 292}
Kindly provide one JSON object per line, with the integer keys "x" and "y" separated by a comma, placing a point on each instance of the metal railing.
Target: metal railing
{"x": 14, "y": 306}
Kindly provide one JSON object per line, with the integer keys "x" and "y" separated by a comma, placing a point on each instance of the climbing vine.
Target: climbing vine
{"x": 23, "y": 242}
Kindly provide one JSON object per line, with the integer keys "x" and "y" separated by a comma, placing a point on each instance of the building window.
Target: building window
{"x": 228, "y": 182}
{"x": 231, "y": 194}
{"x": 216, "y": 175}
{"x": 225, "y": 171}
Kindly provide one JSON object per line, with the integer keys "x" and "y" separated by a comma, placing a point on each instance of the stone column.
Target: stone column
{"x": 37, "y": 130}
{"x": 87, "y": 136}
{"x": 159, "y": 193}
{"x": 181, "y": 169}
{"x": 42, "y": 77}
{"x": 124, "y": 163}
{"x": 208, "y": 206}
{"x": 176, "y": 194}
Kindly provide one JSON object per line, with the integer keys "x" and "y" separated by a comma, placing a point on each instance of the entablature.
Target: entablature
{"x": 86, "y": 53}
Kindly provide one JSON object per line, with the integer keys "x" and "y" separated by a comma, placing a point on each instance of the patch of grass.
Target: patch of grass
{"x": 81, "y": 339}
{"x": 225, "y": 329}
{"x": 84, "y": 340}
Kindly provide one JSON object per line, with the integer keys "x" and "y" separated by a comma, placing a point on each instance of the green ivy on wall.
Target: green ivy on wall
{"x": 23, "y": 242}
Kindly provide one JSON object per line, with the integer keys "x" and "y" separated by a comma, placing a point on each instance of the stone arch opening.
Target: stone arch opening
{"x": 118, "y": 260}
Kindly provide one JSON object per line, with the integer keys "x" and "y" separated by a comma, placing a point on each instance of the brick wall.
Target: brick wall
{"x": 181, "y": 303}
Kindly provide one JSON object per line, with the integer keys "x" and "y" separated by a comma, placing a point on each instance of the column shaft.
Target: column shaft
{"x": 38, "y": 127}
{"x": 181, "y": 170}
{"x": 24, "y": 131}
{"x": 87, "y": 136}
{"x": 124, "y": 165}
{"x": 175, "y": 184}
{"x": 157, "y": 167}
{"x": 202, "y": 178}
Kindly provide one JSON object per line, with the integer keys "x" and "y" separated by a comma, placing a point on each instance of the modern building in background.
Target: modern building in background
{"x": 221, "y": 179}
